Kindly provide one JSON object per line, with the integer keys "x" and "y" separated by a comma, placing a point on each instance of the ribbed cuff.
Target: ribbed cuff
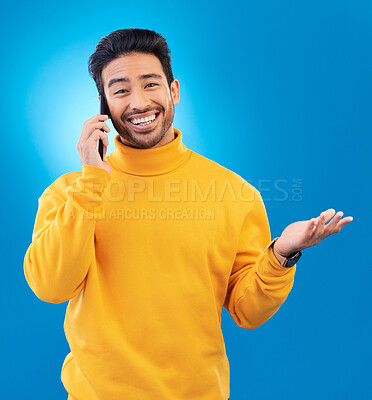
{"x": 88, "y": 189}
{"x": 98, "y": 176}
{"x": 270, "y": 265}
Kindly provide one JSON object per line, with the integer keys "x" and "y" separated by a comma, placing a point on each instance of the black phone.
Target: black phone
{"x": 104, "y": 111}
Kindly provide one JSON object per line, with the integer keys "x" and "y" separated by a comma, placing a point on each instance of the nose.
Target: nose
{"x": 139, "y": 100}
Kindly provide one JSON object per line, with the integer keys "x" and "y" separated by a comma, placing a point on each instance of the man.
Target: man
{"x": 150, "y": 244}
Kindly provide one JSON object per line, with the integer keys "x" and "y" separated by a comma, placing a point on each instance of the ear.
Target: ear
{"x": 175, "y": 91}
{"x": 99, "y": 98}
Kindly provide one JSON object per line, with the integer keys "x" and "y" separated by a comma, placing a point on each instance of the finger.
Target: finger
{"x": 96, "y": 135}
{"x": 105, "y": 145}
{"x": 98, "y": 118}
{"x": 325, "y": 216}
{"x": 330, "y": 228}
{"x": 328, "y": 214}
{"x": 342, "y": 223}
{"x": 99, "y": 125}
{"x": 319, "y": 225}
{"x": 90, "y": 143}
{"x": 89, "y": 127}
{"x": 105, "y": 141}
{"x": 102, "y": 125}
{"x": 95, "y": 119}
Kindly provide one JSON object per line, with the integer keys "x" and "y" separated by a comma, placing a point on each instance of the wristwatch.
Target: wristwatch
{"x": 287, "y": 262}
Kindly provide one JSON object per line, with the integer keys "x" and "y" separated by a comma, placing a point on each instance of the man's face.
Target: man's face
{"x": 132, "y": 94}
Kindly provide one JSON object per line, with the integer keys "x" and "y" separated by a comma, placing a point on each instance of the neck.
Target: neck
{"x": 150, "y": 161}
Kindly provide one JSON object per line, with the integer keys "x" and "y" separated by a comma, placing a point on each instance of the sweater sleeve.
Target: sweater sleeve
{"x": 62, "y": 249}
{"x": 258, "y": 283}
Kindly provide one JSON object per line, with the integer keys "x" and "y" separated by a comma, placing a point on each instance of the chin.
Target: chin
{"x": 142, "y": 139}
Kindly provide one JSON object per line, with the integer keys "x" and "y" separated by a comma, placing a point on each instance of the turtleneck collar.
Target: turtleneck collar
{"x": 148, "y": 162}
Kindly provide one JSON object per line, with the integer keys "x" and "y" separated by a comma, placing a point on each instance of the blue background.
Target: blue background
{"x": 278, "y": 92}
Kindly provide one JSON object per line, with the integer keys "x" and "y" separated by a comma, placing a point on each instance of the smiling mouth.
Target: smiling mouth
{"x": 143, "y": 125}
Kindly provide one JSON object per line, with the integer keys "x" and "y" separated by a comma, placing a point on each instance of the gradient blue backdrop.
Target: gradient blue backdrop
{"x": 278, "y": 92}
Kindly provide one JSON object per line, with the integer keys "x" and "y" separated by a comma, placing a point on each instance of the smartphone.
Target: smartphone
{"x": 105, "y": 111}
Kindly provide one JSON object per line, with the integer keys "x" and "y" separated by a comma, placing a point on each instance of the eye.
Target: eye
{"x": 120, "y": 91}
{"x": 152, "y": 84}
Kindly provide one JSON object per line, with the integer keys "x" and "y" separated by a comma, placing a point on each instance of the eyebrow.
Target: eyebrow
{"x": 145, "y": 76}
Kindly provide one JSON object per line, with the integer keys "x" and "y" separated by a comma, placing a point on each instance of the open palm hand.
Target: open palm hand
{"x": 303, "y": 234}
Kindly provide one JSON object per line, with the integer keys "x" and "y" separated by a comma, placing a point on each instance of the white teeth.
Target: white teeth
{"x": 142, "y": 120}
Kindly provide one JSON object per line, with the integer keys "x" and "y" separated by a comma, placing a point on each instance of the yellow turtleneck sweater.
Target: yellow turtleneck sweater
{"x": 147, "y": 257}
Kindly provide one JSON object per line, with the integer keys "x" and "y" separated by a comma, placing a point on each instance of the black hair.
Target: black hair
{"x": 123, "y": 42}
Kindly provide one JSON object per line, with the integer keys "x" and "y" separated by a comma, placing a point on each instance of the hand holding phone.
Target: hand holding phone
{"x": 94, "y": 129}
